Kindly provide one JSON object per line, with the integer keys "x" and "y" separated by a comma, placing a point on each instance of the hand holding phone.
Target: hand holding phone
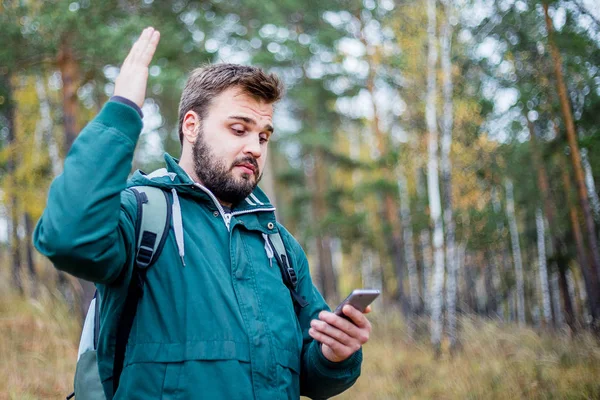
{"x": 338, "y": 339}
{"x": 359, "y": 299}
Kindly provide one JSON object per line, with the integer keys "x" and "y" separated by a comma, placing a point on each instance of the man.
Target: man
{"x": 215, "y": 320}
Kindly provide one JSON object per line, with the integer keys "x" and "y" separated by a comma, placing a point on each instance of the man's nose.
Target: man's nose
{"x": 253, "y": 146}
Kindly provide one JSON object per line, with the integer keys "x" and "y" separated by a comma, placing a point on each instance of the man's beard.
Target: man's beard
{"x": 218, "y": 178}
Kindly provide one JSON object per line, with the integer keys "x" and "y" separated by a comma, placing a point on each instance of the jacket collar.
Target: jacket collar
{"x": 173, "y": 176}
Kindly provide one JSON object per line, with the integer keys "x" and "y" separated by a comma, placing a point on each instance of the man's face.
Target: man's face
{"x": 231, "y": 147}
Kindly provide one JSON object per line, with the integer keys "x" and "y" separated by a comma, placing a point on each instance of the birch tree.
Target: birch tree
{"x": 591, "y": 186}
{"x": 433, "y": 184}
{"x": 12, "y": 199}
{"x": 424, "y": 247}
{"x": 516, "y": 248}
{"x": 543, "y": 271}
{"x": 446, "y": 144}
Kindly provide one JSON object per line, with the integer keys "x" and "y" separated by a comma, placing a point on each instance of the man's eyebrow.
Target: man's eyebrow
{"x": 251, "y": 121}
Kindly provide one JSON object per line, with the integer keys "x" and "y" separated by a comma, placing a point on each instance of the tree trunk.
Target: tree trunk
{"x": 16, "y": 245}
{"x": 516, "y": 247}
{"x": 411, "y": 264}
{"x": 490, "y": 290}
{"x": 69, "y": 70}
{"x": 446, "y": 144}
{"x": 326, "y": 272}
{"x": 590, "y": 278}
{"x": 558, "y": 315}
{"x": 371, "y": 276}
{"x": 11, "y": 192}
{"x": 470, "y": 292}
{"x": 433, "y": 184}
{"x": 574, "y": 147}
{"x": 460, "y": 270}
{"x": 502, "y": 296}
{"x": 393, "y": 233}
{"x": 543, "y": 271}
{"x": 424, "y": 245}
{"x": 44, "y": 129}
{"x": 543, "y": 184}
{"x": 574, "y": 290}
{"x": 30, "y": 261}
{"x": 591, "y": 186}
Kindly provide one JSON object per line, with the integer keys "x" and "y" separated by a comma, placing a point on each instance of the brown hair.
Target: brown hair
{"x": 209, "y": 81}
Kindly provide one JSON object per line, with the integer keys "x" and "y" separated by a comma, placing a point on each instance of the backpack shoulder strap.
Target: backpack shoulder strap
{"x": 151, "y": 230}
{"x": 152, "y": 225}
{"x": 290, "y": 279}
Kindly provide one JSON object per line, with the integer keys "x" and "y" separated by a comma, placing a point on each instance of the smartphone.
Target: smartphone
{"x": 359, "y": 299}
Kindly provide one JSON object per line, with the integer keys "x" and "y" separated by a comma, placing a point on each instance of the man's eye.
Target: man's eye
{"x": 237, "y": 130}
{"x": 264, "y": 139}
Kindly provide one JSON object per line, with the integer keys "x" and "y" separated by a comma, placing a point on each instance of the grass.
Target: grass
{"x": 38, "y": 349}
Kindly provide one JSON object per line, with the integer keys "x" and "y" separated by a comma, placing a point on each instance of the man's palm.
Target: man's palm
{"x": 133, "y": 78}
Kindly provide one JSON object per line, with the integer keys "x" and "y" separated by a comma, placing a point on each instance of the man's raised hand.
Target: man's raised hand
{"x": 133, "y": 77}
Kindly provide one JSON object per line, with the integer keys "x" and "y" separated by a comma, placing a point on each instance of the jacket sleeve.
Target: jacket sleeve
{"x": 319, "y": 377}
{"x": 87, "y": 227}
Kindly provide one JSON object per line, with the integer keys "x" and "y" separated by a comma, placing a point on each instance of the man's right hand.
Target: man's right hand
{"x": 133, "y": 77}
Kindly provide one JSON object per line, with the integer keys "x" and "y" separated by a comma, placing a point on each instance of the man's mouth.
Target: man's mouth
{"x": 247, "y": 168}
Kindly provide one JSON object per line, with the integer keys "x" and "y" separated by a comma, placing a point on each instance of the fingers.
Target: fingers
{"x": 143, "y": 49}
{"x": 340, "y": 351}
{"x": 356, "y": 316}
{"x": 340, "y": 338}
{"x": 330, "y": 331}
{"x": 133, "y": 76}
{"x": 343, "y": 330}
{"x": 148, "y": 51}
{"x": 339, "y": 322}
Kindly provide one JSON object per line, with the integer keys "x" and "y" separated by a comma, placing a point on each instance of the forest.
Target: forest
{"x": 443, "y": 152}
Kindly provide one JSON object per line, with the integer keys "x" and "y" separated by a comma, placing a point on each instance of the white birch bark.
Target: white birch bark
{"x": 543, "y": 270}
{"x": 591, "y": 186}
{"x": 427, "y": 257}
{"x": 516, "y": 248}
{"x": 446, "y": 144}
{"x": 44, "y": 128}
{"x": 433, "y": 184}
{"x": 424, "y": 249}
{"x": 411, "y": 264}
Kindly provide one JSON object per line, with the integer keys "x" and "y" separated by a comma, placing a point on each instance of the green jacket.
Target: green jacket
{"x": 216, "y": 320}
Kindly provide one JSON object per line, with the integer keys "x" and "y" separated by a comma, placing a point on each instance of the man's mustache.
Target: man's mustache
{"x": 247, "y": 160}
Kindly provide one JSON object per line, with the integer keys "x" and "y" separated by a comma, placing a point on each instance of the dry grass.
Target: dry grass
{"x": 37, "y": 347}
{"x": 38, "y": 352}
{"x": 495, "y": 362}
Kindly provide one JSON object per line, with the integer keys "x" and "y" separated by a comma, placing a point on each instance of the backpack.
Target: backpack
{"x": 152, "y": 228}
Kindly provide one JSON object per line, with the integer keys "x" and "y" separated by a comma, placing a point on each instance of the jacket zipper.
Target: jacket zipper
{"x": 227, "y": 216}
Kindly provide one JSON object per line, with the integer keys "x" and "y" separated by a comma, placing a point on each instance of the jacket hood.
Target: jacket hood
{"x": 174, "y": 177}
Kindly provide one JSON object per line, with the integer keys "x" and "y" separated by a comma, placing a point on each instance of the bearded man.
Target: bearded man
{"x": 215, "y": 320}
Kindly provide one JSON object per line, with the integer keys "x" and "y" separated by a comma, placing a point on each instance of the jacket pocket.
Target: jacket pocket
{"x": 188, "y": 351}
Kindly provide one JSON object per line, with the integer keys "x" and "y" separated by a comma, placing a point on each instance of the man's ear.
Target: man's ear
{"x": 190, "y": 126}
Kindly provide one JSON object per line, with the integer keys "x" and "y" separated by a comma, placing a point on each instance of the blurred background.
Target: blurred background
{"x": 445, "y": 152}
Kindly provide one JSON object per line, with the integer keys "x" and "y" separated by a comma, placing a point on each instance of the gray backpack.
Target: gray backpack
{"x": 152, "y": 228}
